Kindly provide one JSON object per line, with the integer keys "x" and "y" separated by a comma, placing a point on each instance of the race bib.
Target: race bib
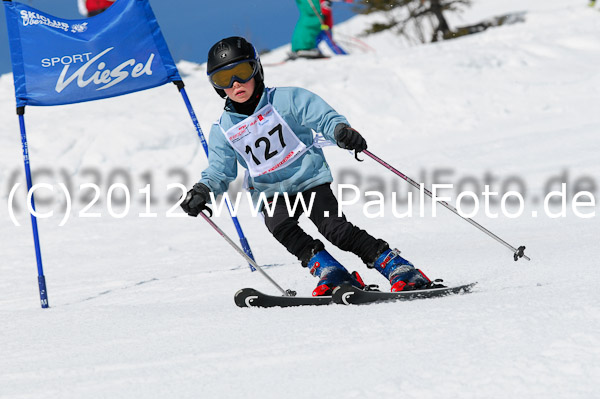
{"x": 265, "y": 141}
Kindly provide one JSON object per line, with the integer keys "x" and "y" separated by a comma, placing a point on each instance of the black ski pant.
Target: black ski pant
{"x": 324, "y": 214}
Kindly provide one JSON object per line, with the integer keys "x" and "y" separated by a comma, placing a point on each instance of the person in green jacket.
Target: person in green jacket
{"x": 308, "y": 27}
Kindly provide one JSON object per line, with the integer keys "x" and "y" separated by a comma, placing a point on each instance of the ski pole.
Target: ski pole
{"x": 248, "y": 258}
{"x": 243, "y": 240}
{"x": 517, "y": 252}
{"x": 329, "y": 37}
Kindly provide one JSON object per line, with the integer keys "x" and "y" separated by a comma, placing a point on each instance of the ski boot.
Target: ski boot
{"x": 401, "y": 273}
{"x": 331, "y": 274}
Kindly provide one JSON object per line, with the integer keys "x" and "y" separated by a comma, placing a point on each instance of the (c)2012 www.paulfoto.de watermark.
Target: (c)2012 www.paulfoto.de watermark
{"x": 511, "y": 204}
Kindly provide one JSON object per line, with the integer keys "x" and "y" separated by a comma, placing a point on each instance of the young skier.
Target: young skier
{"x": 268, "y": 131}
{"x": 308, "y": 27}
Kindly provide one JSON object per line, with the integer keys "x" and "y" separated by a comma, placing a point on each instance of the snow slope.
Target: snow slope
{"x": 143, "y": 306}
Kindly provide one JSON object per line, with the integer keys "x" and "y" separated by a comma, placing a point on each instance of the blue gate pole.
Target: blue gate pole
{"x": 236, "y": 223}
{"x": 36, "y": 238}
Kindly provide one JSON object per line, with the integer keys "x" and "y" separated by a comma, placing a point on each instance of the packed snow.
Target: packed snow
{"x": 141, "y": 306}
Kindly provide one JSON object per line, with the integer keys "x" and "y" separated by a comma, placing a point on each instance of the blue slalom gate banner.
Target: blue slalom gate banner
{"x": 59, "y": 61}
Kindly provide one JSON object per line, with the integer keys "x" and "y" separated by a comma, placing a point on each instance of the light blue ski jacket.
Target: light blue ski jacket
{"x": 303, "y": 111}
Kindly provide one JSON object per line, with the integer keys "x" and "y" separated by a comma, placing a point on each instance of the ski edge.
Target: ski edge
{"x": 349, "y": 295}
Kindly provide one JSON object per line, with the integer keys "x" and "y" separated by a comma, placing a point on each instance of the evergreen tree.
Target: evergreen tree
{"x": 416, "y": 13}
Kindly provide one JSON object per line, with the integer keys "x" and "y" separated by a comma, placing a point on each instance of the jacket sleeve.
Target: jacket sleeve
{"x": 312, "y": 111}
{"x": 222, "y": 163}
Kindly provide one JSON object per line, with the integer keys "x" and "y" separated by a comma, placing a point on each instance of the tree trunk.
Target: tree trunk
{"x": 443, "y": 28}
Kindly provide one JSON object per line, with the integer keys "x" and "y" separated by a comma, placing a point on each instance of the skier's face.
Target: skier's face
{"x": 241, "y": 92}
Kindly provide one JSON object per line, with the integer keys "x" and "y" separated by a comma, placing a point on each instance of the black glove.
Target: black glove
{"x": 349, "y": 139}
{"x": 196, "y": 199}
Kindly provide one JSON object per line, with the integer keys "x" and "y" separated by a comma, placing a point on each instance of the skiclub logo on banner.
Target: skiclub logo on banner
{"x": 58, "y": 61}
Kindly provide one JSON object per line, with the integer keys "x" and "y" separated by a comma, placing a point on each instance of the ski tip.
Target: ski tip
{"x": 244, "y": 297}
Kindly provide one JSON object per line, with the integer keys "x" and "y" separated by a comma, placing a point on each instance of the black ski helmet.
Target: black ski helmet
{"x": 230, "y": 50}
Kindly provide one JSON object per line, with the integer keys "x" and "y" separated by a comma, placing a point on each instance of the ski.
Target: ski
{"x": 251, "y": 298}
{"x": 349, "y": 295}
{"x": 293, "y": 57}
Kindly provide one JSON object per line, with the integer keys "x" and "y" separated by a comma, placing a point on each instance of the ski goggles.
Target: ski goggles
{"x": 242, "y": 72}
